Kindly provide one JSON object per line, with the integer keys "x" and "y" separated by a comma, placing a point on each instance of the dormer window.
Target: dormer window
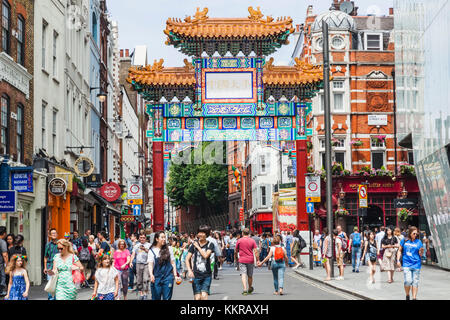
{"x": 373, "y": 41}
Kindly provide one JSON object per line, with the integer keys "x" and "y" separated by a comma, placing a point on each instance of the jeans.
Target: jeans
{"x": 278, "y": 269}
{"x": 3, "y": 287}
{"x": 178, "y": 265}
{"x": 356, "y": 257}
{"x": 263, "y": 254}
{"x": 50, "y": 297}
{"x": 230, "y": 255}
{"x": 201, "y": 285}
{"x": 411, "y": 277}
{"x": 132, "y": 274}
{"x": 162, "y": 289}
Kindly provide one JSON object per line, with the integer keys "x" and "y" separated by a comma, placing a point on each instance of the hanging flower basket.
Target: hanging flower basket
{"x": 379, "y": 139}
{"x": 356, "y": 143}
{"x": 335, "y": 142}
{"x": 309, "y": 146}
{"x": 310, "y": 169}
{"x": 407, "y": 170}
{"x": 341, "y": 212}
{"x": 404, "y": 214}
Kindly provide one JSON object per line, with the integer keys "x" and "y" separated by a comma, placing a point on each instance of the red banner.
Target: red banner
{"x": 110, "y": 191}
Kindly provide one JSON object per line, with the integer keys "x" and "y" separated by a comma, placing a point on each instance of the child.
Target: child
{"x": 106, "y": 280}
{"x": 177, "y": 254}
{"x": 183, "y": 259}
{"x": 19, "y": 284}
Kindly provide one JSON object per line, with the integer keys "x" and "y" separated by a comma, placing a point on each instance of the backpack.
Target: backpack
{"x": 356, "y": 240}
{"x": 344, "y": 243}
{"x": 373, "y": 252}
{"x": 279, "y": 254}
{"x": 85, "y": 256}
{"x": 302, "y": 242}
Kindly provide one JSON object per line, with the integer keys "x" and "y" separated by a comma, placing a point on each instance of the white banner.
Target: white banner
{"x": 134, "y": 189}
{"x": 377, "y": 120}
{"x": 229, "y": 85}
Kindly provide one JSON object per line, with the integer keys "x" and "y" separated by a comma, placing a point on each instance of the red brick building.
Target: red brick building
{"x": 16, "y": 73}
{"x": 362, "y": 109}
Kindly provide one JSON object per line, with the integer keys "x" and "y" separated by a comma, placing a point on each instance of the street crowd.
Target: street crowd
{"x": 151, "y": 263}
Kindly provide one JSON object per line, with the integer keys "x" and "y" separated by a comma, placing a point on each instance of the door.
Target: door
{"x": 13, "y": 225}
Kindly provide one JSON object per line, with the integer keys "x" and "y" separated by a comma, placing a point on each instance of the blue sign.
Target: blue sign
{"x": 136, "y": 209}
{"x": 8, "y": 201}
{"x": 22, "y": 181}
{"x": 309, "y": 207}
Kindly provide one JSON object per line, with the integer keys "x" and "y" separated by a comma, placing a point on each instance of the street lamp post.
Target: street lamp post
{"x": 326, "y": 89}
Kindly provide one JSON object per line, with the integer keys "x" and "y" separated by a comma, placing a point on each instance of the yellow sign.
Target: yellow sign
{"x": 135, "y": 201}
{"x": 313, "y": 199}
{"x": 67, "y": 175}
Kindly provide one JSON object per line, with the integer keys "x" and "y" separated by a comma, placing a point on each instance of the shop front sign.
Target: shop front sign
{"x": 57, "y": 187}
{"x": 84, "y": 166}
{"x": 22, "y": 181}
{"x": 110, "y": 191}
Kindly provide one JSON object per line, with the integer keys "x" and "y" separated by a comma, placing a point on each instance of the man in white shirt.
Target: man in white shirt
{"x": 217, "y": 254}
{"x": 378, "y": 237}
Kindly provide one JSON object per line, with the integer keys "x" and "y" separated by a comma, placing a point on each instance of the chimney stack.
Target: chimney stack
{"x": 121, "y": 53}
{"x": 127, "y": 53}
{"x": 391, "y": 11}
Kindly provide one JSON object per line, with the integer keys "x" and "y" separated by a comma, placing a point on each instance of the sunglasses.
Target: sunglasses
{"x": 60, "y": 249}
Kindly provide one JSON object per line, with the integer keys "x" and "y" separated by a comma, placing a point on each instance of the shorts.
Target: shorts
{"x": 411, "y": 277}
{"x": 201, "y": 285}
{"x": 340, "y": 259}
{"x": 246, "y": 268}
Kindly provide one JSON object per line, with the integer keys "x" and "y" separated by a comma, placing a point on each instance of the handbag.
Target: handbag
{"x": 388, "y": 252}
{"x": 77, "y": 275}
{"x": 50, "y": 287}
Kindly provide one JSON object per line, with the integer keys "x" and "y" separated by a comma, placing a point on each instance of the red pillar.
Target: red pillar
{"x": 302, "y": 216}
{"x": 158, "y": 186}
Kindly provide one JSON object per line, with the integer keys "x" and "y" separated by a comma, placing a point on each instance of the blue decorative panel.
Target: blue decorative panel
{"x": 229, "y": 135}
{"x": 284, "y": 122}
{"x": 174, "y": 123}
{"x": 211, "y": 123}
{"x": 265, "y": 123}
{"x": 192, "y": 123}
{"x": 247, "y": 123}
{"x": 229, "y": 123}
{"x": 175, "y": 110}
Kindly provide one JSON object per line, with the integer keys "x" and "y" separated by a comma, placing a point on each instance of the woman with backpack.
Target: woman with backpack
{"x": 279, "y": 264}
{"x": 265, "y": 245}
{"x": 390, "y": 245}
{"x": 372, "y": 250}
{"x": 87, "y": 260}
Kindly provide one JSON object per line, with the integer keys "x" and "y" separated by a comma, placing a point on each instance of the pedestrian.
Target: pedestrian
{"x": 214, "y": 257}
{"x": 86, "y": 235}
{"x": 177, "y": 251}
{"x": 390, "y": 245}
{"x": 106, "y": 285}
{"x": 65, "y": 262}
{"x": 246, "y": 255}
{"x": 76, "y": 240}
{"x": 122, "y": 260}
{"x": 103, "y": 245}
{"x": 327, "y": 253}
{"x": 221, "y": 244}
{"x": 378, "y": 237}
{"x": 265, "y": 245}
{"x": 183, "y": 259}
{"x": 140, "y": 251}
{"x": 279, "y": 264}
{"x": 132, "y": 271}
{"x": 4, "y": 259}
{"x": 51, "y": 250}
{"x": 10, "y": 238}
{"x": 344, "y": 242}
{"x": 198, "y": 264}
{"x": 411, "y": 250}
{"x": 355, "y": 247}
{"x": 297, "y": 246}
{"x": 86, "y": 258}
{"x": 339, "y": 250}
{"x": 232, "y": 247}
{"x": 19, "y": 283}
{"x": 426, "y": 247}
{"x": 371, "y": 248}
{"x": 433, "y": 256}
{"x": 162, "y": 268}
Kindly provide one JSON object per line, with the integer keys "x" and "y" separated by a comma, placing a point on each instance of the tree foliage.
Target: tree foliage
{"x": 202, "y": 185}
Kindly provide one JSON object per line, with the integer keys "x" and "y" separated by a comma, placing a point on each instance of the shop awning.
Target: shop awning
{"x": 101, "y": 201}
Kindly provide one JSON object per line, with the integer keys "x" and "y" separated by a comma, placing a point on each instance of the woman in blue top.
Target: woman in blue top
{"x": 411, "y": 250}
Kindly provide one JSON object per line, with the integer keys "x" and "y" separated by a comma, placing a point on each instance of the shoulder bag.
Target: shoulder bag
{"x": 50, "y": 287}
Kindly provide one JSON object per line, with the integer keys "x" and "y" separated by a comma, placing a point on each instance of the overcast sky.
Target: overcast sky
{"x": 141, "y": 22}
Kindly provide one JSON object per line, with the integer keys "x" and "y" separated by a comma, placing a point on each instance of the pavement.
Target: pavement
{"x": 434, "y": 283}
{"x": 229, "y": 287}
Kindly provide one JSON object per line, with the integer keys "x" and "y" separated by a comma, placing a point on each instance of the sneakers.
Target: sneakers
{"x": 407, "y": 298}
{"x": 340, "y": 278}
{"x": 244, "y": 293}
{"x": 353, "y": 270}
{"x": 357, "y": 271}
{"x": 251, "y": 290}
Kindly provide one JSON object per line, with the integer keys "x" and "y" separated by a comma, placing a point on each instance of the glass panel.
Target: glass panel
{"x": 338, "y": 102}
{"x": 377, "y": 160}
{"x": 339, "y": 157}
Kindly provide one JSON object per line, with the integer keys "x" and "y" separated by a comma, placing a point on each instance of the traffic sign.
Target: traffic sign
{"x": 135, "y": 201}
{"x": 309, "y": 207}
{"x": 135, "y": 189}
{"x": 312, "y": 188}
{"x": 362, "y": 193}
{"x": 136, "y": 209}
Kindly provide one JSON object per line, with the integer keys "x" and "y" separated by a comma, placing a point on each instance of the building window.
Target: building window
{"x": 263, "y": 196}
{"x": 339, "y": 143}
{"x": 4, "y": 140}
{"x": 339, "y": 157}
{"x": 55, "y": 40}
{"x": 377, "y": 159}
{"x": 374, "y": 41}
{"x": 20, "y": 133}
{"x": 20, "y": 40}
{"x": 377, "y": 143}
{"x": 338, "y": 102}
{"x": 338, "y": 84}
{"x": 44, "y": 42}
{"x": 6, "y": 27}
{"x": 44, "y": 108}
{"x": 94, "y": 27}
{"x": 338, "y": 43}
{"x": 411, "y": 157}
{"x": 54, "y": 149}
{"x": 323, "y": 159}
{"x": 322, "y": 103}
{"x": 263, "y": 164}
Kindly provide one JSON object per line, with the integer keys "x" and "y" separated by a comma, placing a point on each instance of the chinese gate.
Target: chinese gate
{"x": 227, "y": 92}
